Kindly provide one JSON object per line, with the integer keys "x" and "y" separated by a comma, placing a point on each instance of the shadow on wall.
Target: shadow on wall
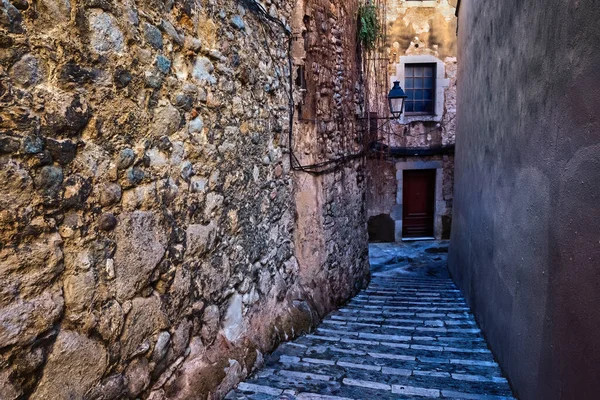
{"x": 381, "y": 229}
{"x": 446, "y": 226}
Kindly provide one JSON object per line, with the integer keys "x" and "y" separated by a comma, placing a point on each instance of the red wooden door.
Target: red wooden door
{"x": 418, "y": 203}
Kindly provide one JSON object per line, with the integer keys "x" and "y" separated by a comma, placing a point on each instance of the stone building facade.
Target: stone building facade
{"x": 421, "y": 54}
{"x": 156, "y": 235}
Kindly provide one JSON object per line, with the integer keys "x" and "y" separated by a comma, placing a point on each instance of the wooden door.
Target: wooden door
{"x": 418, "y": 203}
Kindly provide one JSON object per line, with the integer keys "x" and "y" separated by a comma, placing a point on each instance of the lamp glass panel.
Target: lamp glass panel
{"x": 396, "y": 105}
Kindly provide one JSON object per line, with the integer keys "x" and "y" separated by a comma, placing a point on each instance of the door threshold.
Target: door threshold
{"x": 417, "y": 239}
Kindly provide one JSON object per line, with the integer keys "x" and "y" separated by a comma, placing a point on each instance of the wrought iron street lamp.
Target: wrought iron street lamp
{"x": 396, "y": 97}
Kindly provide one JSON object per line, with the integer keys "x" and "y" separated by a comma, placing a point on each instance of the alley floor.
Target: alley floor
{"x": 409, "y": 334}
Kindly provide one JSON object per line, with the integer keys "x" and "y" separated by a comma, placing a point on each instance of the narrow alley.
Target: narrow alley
{"x": 409, "y": 334}
{"x": 299, "y": 199}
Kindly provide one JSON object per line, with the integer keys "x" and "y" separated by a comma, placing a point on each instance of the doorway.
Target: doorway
{"x": 418, "y": 203}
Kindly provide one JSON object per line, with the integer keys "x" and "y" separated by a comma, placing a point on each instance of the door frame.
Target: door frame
{"x": 428, "y": 177}
{"x": 439, "y": 205}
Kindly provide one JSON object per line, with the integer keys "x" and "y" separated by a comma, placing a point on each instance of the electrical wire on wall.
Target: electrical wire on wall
{"x": 319, "y": 168}
{"x": 377, "y": 147}
{"x": 439, "y": 126}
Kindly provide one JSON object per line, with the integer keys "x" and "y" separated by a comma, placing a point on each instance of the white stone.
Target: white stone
{"x": 304, "y": 375}
{"x": 429, "y": 348}
{"x": 233, "y": 323}
{"x": 318, "y": 361}
{"x": 459, "y": 350}
{"x": 106, "y": 35}
{"x": 435, "y": 374}
{"x": 213, "y": 203}
{"x": 396, "y": 345}
{"x": 325, "y": 338}
{"x": 156, "y": 157}
{"x": 110, "y": 268}
{"x": 367, "y": 384}
{"x": 356, "y": 341}
{"x": 415, "y": 391}
{"x": 474, "y": 362}
{"x": 198, "y": 184}
{"x": 313, "y": 396}
{"x": 196, "y": 125}
{"x": 249, "y": 387}
{"x": 359, "y": 366}
{"x": 289, "y": 359}
{"x": 396, "y": 371}
{"x": 385, "y": 337}
{"x": 471, "y": 378}
{"x": 392, "y": 356}
{"x": 203, "y": 69}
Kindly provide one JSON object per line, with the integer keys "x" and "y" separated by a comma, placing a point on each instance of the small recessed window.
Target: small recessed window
{"x": 300, "y": 78}
{"x": 420, "y": 88}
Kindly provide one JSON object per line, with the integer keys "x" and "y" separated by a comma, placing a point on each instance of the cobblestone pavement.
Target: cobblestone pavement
{"x": 409, "y": 335}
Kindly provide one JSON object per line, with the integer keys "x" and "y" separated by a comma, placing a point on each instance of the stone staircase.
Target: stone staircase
{"x": 403, "y": 337}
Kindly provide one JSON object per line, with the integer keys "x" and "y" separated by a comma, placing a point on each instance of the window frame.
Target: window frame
{"x": 442, "y": 83}
{"x": 433, "y": 89}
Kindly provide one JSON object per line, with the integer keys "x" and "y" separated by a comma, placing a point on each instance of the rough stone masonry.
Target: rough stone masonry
{"x": 154, "y": 240}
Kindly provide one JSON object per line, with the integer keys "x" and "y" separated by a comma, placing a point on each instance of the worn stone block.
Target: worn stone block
{"x": 141, "y": 244}
{"x": 74, "y": 366}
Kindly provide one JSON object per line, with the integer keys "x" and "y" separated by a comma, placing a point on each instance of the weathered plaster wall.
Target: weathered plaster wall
{"x": 151, "y": 229}
{"x": 525, "y": 247}
{"x": 381, "y": 187}
{"x": 427, "y": 27}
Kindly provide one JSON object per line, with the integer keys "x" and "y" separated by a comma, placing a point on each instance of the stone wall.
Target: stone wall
{"x": 525, "y": 245}
{"x": 331, "y": 238}
{"x": 154, "y": 242}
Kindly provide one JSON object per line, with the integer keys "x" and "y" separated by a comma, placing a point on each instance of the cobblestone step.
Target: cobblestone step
{"x": 399, "y": 339}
